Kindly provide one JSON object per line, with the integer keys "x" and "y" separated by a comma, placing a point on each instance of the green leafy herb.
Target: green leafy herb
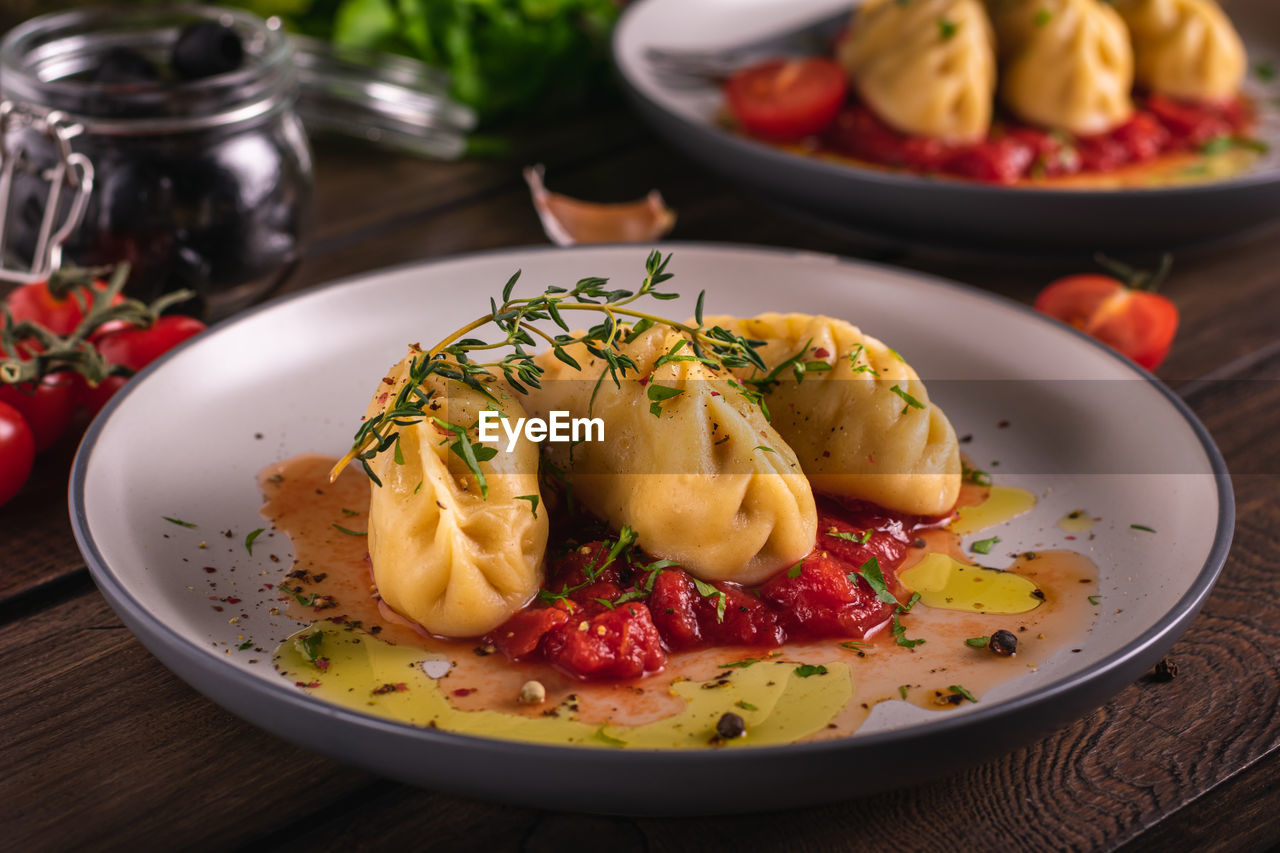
{"x": 911, "y": 602}
{"x": 974, "y": 475}
{"x": 1043, "y": 17}
{"x": 805, "y": 670}
{"x": 741, "y": 664}
{"x": 794, "y": 571}
{"x": 983, "y": 546}
{"x": 245, "y": 645}
{"x": 764, "y": 448}
{"x": 602, "y": 735}
{"x": 706, "y": 590}
{"x": 861, "y": 538}
{"x": 912, "y": 402}
{"x": 1095, "y": 600}
{"x": 178, "y": 522}
{"x": 1142, "y": 527}
{"x": 854, "y": 645}
{"x": 946, "y": 29}
{"x": 899, "y": 635}
{"x": 249, "y": 540}
{"x": 308, "y": 645}
{"x": 305, "y": 601}
{"x": 871, "y": 573}
{"x": 346, "y": 511}
{"x": 902, "y": 691}
{"x": 1265, "y": 71}
{"x": 745, "y": 705}
{"x": 1221, "y": 144}
{"x": 977, "y": 642}
{"x": 659, "y": 394}
{"x": 341, "y": 529}
{"x": 418, "y": 487}
{"x": 533, "y": 502}
{"x": 956, "y": 688}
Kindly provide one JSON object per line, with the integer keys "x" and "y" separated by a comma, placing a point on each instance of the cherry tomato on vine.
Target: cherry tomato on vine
{"x": 47, "y": 406}
{"x": 35, "y": 302}
{"x": 1137, "y": 323}
{"x": 787, "y": 99}
{"x": 17, "y": 452}
{"x": 135, "y": 348}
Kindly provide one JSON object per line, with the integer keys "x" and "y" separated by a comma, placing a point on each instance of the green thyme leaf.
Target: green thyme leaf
{"x": 601, "y": 735}
{"x": 1142, "y": 527}
{"x": 978, "y": 642}
{"x": 911, "y": 402}
{"x": 956, "y": 688}
{"x": 341, "y": 529}
{"x": 745, "y": 705}
{"x": 179, "y": 522}
{"x": 533, "y": 502}
{"x": 249, "y": 540}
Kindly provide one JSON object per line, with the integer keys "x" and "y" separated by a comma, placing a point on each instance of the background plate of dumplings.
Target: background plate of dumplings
{"x": 905, "y": 208}
{"x": 1085, "y": 428}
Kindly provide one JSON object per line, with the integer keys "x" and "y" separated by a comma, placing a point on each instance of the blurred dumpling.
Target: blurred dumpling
{"x": 1185, "y": 48}
{"x": 927, "y": 67}
{"x": 443, "y": 554}
{"x": 854, "y": 434}
{"x": 706, "y": 481}
{"x": 1064, "y": 64}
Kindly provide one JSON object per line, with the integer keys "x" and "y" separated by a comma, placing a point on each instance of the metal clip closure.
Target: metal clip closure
{"x": 70, "y": 181}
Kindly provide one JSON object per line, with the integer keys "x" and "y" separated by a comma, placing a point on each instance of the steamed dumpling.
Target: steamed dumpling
{"x": 443, "y": 555}
{"x": 927, "y": 67}
{"x": 1185, "y": 48}
{"x": 706, "y": 482}
{"x": 1065, "y": 64}
{"x": 854, "y": 435}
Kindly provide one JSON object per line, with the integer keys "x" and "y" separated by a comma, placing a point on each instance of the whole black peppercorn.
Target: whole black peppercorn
{"x": 1166, "y": 670}
{"x": 731, "y": 726}
{"x": 1003, "y": 643}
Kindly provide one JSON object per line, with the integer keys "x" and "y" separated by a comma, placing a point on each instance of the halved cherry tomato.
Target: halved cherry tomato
{"x": 787, "y": 99}
{"x": 1137, "y": 323}
{"x": 35, "y": 302}
{"x": 47, "y": 406}
{"x": 17, "y": 452}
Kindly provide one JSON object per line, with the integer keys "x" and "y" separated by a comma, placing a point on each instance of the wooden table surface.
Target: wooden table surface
{"x": 103, "y": 745}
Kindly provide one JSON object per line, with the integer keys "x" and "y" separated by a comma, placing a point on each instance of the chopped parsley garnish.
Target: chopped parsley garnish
{"x": 346, "y": 511}
{"x": 946, "y": 29}
{"x": 854, "y": 645}
{"x": 745, "y": 705}
{"x": 899, "y": 635}
{"x": 911, "y": 602}
{"x": 977, "y": 642}
{"x": 249, "y": 540}
{"x": 956, "y": 688}
{"x": 902, "y": 691}
{"x": 745, "y": 662}
{"x": 706, "y": 590}
{"x": 1142, "y": 527}
{"x": 860, "y": 538}
{"x": 983, "y": 546}
{"x": 805, "y": 670}
{"x": 911, "y": 402}
{"x": 871, "y": 573}
{"x": 308, "y": 645}
{"x": 765, "y": 449}
{"x": 341, "y": 529}
{"x": 974, "y": 475}
{"x": 533, "y": 502}
{"x": 246, "y": 644}
{"x": 794, "y": 571}
{"x": 178, "y": 521}
{"x": 1095, "y": 600}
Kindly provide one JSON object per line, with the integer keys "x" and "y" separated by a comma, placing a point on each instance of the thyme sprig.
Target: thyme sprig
{"x": 455, "y": 358}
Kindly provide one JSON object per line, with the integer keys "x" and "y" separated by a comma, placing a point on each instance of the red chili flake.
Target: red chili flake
{"x": 644, "y": 380}
{"x": 398, "y": 687}
{"x": 820, "y": 352}
{"x": 871, "y": 459}
{"x": 1072, "y": 538}
{"x": 217, "y": 607}
{"x": 210, "y": 569}
{"x": 715, "y": 393}
{"x": 267, "y": 585}
{"x": 307, "y": 683}
{"x": 464, "y": 691}
{"x": 231, "y": 599}
{"x": 826, "y": 454}
{"x": 322, "y": 664}
{"x": 1002, "y": 424}
{"x": 383, "y": 397}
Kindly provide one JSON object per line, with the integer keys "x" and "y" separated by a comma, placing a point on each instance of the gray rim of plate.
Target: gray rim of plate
{"x": 819, "y": 168}
{"x": 1177, "y": 617}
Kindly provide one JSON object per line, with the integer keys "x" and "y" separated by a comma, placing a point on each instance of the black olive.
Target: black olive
{"x": 204, "y": 49}
{"x": 125, "y": 65}
{"x": 1003, "y": 643}
{"x": 731, "y": 726}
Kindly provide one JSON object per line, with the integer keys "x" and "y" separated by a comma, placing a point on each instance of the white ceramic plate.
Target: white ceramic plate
{"x": 909, "y": 208}
{"x": 1086, "y": 429}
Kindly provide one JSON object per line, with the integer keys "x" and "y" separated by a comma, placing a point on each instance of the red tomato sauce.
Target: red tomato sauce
{"x": 601, "y": 619}
{"x": 1015, "y": 152}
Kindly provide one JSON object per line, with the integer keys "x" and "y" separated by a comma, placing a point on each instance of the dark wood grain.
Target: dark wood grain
{"x": 100, "y": 730}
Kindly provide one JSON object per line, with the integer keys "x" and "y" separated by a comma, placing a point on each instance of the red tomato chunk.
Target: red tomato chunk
{"x": 619, "y": 619}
